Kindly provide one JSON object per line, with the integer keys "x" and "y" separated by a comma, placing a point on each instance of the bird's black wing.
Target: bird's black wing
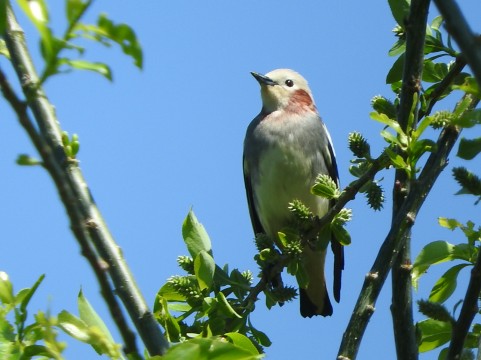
{"x": 336, "y": 247}
{"x": 256, "y": 223}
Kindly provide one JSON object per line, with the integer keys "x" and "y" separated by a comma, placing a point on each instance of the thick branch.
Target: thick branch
{"x": 130, "y": 347}
{"x": 403, "y": 222}
{"x": 401, "y": 308}
{"x": 468, "y": 42}
{"x": 84, "y": 215}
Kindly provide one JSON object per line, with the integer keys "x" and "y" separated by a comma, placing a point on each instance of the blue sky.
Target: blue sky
{"x": 155, "y": 143}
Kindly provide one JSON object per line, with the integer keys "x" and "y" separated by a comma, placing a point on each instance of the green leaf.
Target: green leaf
{"x": 99, "y": 68}
{"x": 204, "y": 268}
{"x": 302, "y": 276}
{"x": 325, "y": 187}
{"x": 3, "y": 19}
{"x": 341, "y": 234}
{"x": 258, "y": 335}
{"x": 434, "y": 333}
{"x": 36, "y": 350}
{"x": 123, "y": 35}
{"x": 74, "y": 9}
{"x": 224, "y": 305}
{"x": 384, "y": 119}
{"x": 90, "y": 317}
{"x": 446, "y": 284}
{"x": 395, "y": 74}
{"x": 397, "y": 160}
{"x": 469, "y": 148}
{"x": 438, "y": 252}
{"x": 398, "y": 48}
{"x": 169, "y": 292}
{"x": 434, "y": 72}
{"x": 195, "y": 236}
{"x": 37, "y": 12}
{"x": 469, "y": 86}
{"x": 73, "y": 326}
{"x": 27, "y": 296}
{"x": 420, "y": 147}
{"x": 450, "y": 224}
{"x": 242, "y": 342}
{"x": 400, "y": 10}
{"x": 168, "y": 322}
{"x": 468, "y": 119}
{"x": 6, "y": 289}
{"x": 208, "y": 349}
{"x": 27, "y": 160}
{"x": 3, "y": 48}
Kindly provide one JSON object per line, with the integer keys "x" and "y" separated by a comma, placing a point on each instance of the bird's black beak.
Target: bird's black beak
{"x": 263, "y": 80}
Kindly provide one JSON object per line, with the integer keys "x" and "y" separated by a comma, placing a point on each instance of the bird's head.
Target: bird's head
{"x": 284, "y": 89}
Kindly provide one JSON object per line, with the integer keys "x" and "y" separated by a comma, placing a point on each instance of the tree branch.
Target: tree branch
{"x": 403, "y": 222}
{"x": 85, "y": 218}
{"x": 401, "y": 305}
{"x": 468, "y": 42}
{"x": 468, "y": 311}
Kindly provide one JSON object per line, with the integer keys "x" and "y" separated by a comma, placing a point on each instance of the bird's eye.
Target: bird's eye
{"x": 289, "y": 83}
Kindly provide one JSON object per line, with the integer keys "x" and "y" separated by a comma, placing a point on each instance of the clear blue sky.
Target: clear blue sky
{"x": 158, "y": 142}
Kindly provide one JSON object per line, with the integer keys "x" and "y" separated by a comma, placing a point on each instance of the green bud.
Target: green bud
{"x": 359, "y": 145}
{"x": 384, "y": 106}
{"x": 325, "y": 187}
{"x": 26, "y": 160}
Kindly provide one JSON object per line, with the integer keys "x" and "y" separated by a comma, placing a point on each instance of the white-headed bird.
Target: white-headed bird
{"x": 286, "y": 147}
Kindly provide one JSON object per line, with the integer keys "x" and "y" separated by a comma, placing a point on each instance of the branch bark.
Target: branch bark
{"x": 401, "y": 305}
{"x": 456, "y": 25}
{"x": 85, "y": 218}
{"x": 365, "y": 305}
{"x": 468, "y": 311}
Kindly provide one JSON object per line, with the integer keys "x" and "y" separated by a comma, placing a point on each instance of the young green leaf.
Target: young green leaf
{"x": 469, "y": 148}
{"x": 204, "y": 268}
{"x": 400, "y": 10}
{"x": 97, "y": 67}
{"x": 6, "y": 289}
{"x": 433, "y": 333}
{"x": 195, "y": 236}
{"x": 438, "y": 252}
{"x": 90, "y": 317}
{"x": 242, "y": 341}
{"x": 123, "y": 35}
{"x": 446, "y": 284}
{"x": 224, "y": 305}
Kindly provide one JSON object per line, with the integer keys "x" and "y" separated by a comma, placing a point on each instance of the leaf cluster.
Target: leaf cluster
{"x": 435, "y": 331}
{"x": 63, "y": 53}
{"x": 20, "y": 339}
{"x": 208, "y": 305}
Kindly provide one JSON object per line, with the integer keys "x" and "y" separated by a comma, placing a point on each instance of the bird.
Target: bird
{"x": 286, "y": 147}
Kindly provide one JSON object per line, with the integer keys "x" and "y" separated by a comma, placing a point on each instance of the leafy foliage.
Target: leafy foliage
{"x": 208, "y": 309}
{"x": 53, "y": 47}
{"x": 20, "y": 340}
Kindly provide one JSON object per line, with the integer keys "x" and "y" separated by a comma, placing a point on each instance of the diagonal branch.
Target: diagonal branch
{"x": 403, "y": 222}
{"x": 468, "y": 311}
{"x": 456, "y": 25}
{"x": 85, "y": 218}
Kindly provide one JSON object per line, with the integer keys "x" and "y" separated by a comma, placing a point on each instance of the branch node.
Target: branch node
{"x": 410, "y": 218}
{"x": 372, "y": 275}
{"x": 91, "y": 224}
